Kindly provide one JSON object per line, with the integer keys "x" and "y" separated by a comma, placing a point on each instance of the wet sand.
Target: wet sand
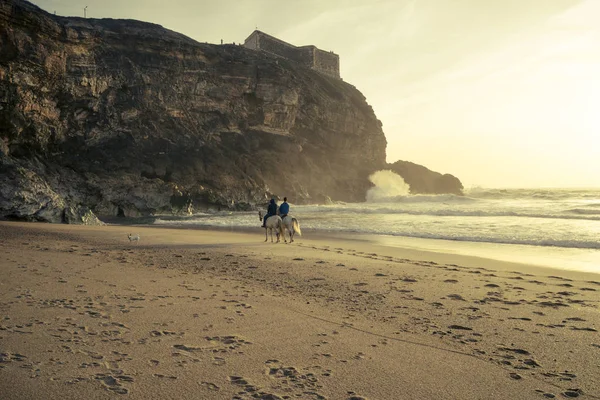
{"x": 84, "y": 313}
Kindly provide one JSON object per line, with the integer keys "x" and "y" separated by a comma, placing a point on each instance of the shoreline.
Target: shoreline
{"x": 523, "y": 256}
{"x": 220, "y": 315}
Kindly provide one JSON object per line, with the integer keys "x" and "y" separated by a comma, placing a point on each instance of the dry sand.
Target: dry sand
{"x": 188, "y": 314}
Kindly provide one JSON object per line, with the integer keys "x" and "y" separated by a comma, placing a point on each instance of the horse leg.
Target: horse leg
{"x": 266, "y": 235}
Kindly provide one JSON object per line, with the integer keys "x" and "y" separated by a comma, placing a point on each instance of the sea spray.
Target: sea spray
{"x": 388, "y": 185}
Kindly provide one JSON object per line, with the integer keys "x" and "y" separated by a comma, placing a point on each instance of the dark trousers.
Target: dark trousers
{"x": 265, "y": 218}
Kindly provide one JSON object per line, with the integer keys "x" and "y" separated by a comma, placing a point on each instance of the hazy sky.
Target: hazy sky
{"x": 500, "y": 93}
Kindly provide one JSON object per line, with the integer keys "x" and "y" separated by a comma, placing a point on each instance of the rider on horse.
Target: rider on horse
{"x": 284, "y": 208}
{"x": 271, "y": 210}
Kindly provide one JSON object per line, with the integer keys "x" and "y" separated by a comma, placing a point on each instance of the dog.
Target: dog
{"x": 133, "y": 238}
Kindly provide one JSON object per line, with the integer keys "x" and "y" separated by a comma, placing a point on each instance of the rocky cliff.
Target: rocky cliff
{"x": 423, "y": 180}
{"x": 121, "y": 117}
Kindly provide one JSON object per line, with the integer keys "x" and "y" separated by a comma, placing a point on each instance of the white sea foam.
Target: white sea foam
{"x": 541, "y": 219}
{"x": 388, "y": 185}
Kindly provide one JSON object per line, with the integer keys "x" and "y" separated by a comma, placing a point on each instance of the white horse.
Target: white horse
{"x": 273, "y": 223}
{"x": 292, "y": 225}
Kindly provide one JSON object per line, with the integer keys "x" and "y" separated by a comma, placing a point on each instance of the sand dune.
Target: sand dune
{"x": 85, "y": 313}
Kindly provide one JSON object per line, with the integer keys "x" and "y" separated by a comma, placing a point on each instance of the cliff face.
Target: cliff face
{"x": 122, "y": 117}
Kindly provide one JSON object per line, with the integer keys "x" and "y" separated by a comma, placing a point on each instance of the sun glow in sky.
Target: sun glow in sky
{"x": 498, "y": 93}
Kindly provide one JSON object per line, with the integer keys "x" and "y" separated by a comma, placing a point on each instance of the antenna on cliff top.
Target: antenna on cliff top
{"x": 85, "y": 12}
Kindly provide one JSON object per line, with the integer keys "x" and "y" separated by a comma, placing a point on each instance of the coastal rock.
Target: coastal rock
{"x": 126, "y": 118}
{"x": 80, "y": 216}
{"x": 424, "y": 181}
{"x": 24, "y": 195}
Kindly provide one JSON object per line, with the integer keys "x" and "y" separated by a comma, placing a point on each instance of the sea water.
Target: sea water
{"x": 551, "y": 227}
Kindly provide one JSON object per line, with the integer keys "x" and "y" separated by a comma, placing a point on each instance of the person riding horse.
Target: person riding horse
{"x": 284, "y": 208}
{"x": 271, "y": 210}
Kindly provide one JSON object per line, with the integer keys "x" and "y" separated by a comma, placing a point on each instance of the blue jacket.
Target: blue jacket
{"x": 284, "y": 208}
{"x": 272, "y": 209}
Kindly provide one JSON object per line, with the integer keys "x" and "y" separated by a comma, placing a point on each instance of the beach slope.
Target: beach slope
{"x": 85, "y": 313}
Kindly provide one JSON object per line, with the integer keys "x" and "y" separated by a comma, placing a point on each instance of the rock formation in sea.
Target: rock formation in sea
{"x": 423, "y": 180}
{"x": 104, "y": 117}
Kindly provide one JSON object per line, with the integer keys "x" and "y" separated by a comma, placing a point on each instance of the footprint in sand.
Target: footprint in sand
{"x": 162, "y": 333}
{"x": 241, "y": 381}
{"x": 290, "y": 379}
{"x": 218, "y": 361}
{"x": 546, "y": 395}
{"x": 492, "y": 285}
{"x": 552, "y": 304}
{"x": 210, "y": 386}
{"x": 572, "y": 393}
{"x": 560, "y": 278}
{"x": 460, "y": 327}
{"x": 574, "y": 328}
{"x": 114, "y": 383}
{"x": 171, "y": 377}
{"x": 228, "y": 343}
{"x": 537, "y": 282}
{"x": 568, "y": 285}
{"x": 187, "y": 348}
{"x": 9, "y": 357}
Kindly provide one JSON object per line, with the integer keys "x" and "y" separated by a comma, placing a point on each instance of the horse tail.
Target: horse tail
{"x": 296, "y": 226}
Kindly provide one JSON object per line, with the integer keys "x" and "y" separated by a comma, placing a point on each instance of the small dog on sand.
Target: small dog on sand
{"x": 133, "y": 238}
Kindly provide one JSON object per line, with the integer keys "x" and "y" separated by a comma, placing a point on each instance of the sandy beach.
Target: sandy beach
{"x": 200, "y": 314}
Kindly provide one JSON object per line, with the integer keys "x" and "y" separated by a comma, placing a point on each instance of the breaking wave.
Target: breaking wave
{"x": 388, "y": 185}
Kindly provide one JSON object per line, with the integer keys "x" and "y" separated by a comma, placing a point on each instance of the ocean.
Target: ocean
{"x": 551, "y": 227}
